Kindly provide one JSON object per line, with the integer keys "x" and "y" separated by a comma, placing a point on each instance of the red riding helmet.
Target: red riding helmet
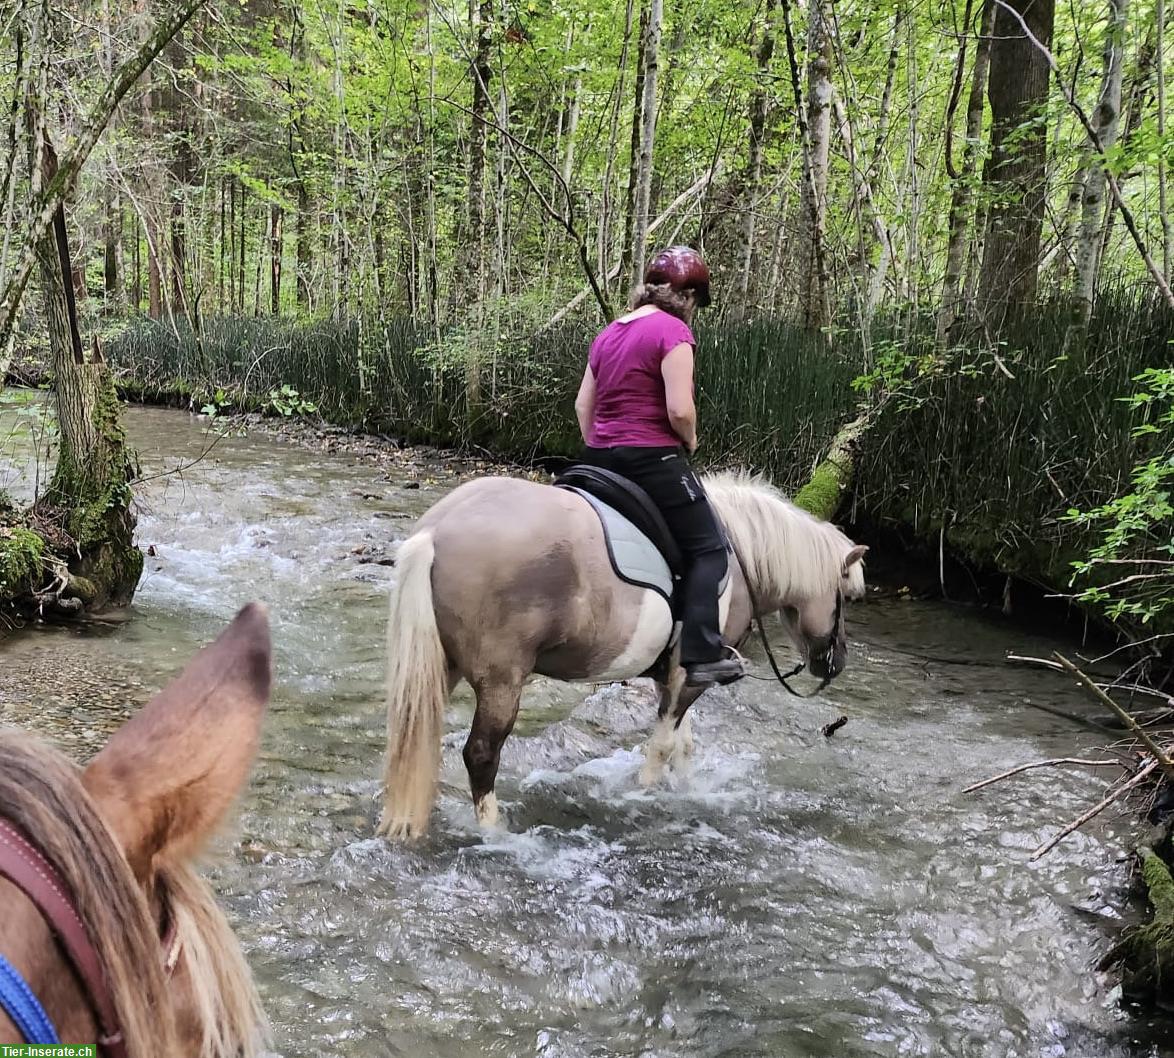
{"x": 682, "y": 269}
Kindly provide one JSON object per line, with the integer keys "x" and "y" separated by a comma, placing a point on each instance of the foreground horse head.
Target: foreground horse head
{"x": 504, "y": 578}
{"x": 153, "y": 970}
{"x": 798, "y": 565}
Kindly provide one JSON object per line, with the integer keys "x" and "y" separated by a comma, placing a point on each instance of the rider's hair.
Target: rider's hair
{"x": 679, "y": 303}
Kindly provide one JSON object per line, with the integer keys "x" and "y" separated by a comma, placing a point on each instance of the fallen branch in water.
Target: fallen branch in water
{"x": 1132, "y": 688}
{"x": 1076, "y": 718}
{"x": 830, "y": 729}
{"x": 1156, "y": 751}
{"x": 1044, "y": 764}
{"x": 1096, "y": 810}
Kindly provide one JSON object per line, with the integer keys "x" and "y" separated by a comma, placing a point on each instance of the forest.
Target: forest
{"x": 942, "y": 247}
{"x": 416, "y": 214}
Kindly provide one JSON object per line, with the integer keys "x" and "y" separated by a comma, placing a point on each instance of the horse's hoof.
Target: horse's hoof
{"x": 651, "y": 773}
{"x": 488, "y": 815}
{"x": 398, "y": 830}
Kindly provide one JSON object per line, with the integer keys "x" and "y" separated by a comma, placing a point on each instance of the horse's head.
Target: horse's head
{"x": 100, "y": 912}
{"x": 816, "y": 623}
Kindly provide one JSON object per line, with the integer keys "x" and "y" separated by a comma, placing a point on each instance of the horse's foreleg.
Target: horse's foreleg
{"x": 661, "y": 743}
{"x": 671, "y": 742}
{"x": 497, "y": 709}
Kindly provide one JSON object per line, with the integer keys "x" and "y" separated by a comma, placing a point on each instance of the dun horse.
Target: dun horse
{"x": 117, "y": 940}
{"x": 504, "y": 578}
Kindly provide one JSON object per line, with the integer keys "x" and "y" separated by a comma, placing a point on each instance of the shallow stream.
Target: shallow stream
{"x": 795, "y": 896}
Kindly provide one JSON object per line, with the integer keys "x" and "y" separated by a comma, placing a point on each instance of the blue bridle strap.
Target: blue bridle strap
{"x": 25, "y": 1010}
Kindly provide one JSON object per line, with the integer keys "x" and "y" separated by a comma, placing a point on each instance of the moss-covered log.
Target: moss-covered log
{"x": 832, "y": 477}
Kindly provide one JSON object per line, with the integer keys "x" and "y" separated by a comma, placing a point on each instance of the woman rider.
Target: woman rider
{"x": 638, "y": 419}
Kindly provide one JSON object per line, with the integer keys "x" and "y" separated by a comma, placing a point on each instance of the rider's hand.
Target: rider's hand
{"x": 691, "y": 446}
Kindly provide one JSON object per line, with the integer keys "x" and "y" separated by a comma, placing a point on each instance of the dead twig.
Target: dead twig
{"x": 830, "y": 729}
{"x": 1096, "y": 810}
{"x": 1044, "y": 764}
{"x": 1156, "y": 751}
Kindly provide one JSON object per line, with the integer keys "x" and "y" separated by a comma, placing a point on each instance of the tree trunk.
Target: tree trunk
{"x": 154, "y": 277}
{"x": 481, "y": 16}
{"x": 1132, "y": 111}
{"x": 865, "y": 206}
{"x": 634, "y": 154}
{"x": 604, "y": 238}
{"x": 760, "y": 101}
{"x": 1163, "y": 210}
{"x": 241, "y": 249}
{"x": 962, "y": 195}
{"x": 1015, "y": 176}
{"x": 668, "y": 90}
{"x": 111, "y": 235}
{"x": 814, "y": 293}
{"x": 88, "y": 497}
{"x": 1069, "y": 222}
{"x": 276, "y": 216}
{"x": 647, "y": 138}
{"x": 885, "y": 110}
{"x": 1106, "y": 119}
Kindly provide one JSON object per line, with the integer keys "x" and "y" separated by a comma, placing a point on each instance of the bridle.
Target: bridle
{"x": 833, "y": 645}
{"x": 26, "y": 867}
{"x": 756, "y": 616}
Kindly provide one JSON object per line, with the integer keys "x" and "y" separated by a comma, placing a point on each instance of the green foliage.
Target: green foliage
{"x": 1136, "y": 528}
{"x": 286, "y": 401}
{"x": 217, "y": 404}
{"x": 994, "y": 448}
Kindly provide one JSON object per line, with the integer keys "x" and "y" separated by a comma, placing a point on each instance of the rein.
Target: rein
{"x": 756, "y": 618}
{"x": 26, "y": 867}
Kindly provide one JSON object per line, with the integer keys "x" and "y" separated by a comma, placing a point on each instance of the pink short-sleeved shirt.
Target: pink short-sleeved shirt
{"x": 630, "y": 405}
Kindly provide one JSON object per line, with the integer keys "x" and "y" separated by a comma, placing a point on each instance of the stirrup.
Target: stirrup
{"x": 728, "y": 669}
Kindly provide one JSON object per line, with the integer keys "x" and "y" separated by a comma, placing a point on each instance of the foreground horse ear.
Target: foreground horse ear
{"x": 166, "y": 779}
{"x": 855, "y": 555}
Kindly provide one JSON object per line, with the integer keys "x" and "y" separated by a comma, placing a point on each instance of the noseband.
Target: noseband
{"x": 26, "y": 867}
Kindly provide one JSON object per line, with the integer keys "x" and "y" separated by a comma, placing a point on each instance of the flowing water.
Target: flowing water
{"x": 794, "y": 896}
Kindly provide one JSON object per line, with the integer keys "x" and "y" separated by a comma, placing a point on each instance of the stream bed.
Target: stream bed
{"x": 794, "y": 896}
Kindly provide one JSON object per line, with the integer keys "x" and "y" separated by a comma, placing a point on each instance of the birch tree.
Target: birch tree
{"x": 1106, "y": 118}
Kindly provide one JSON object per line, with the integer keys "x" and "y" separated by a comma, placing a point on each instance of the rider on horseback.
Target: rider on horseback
{"x": 637, "y": 416}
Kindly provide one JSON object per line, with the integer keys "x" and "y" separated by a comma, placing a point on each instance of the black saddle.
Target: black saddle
{"x": 631, "y": 501}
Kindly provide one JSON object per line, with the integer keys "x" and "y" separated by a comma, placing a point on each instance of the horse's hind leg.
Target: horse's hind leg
{"x": 497, "y": 709}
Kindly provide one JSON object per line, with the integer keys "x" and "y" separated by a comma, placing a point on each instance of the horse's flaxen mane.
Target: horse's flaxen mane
{"x": 231, "y": 1017}
{"x": 790, "y": 553}
{"x": 41, "y": 793}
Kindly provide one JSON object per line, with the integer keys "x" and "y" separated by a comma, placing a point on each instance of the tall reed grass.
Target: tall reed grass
{"x": 769, "y": 394}
{"x": 986, "y": 450}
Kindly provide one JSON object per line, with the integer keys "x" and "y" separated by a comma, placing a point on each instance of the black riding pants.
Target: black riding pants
{"x": 665, "y": 474}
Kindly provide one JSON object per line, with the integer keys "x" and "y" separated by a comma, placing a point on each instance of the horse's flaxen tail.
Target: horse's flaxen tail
{"x": 417, "y": 688}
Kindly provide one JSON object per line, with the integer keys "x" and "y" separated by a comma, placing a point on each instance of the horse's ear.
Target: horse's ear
{"x": 855, "y": 555}
{"x": 166, "y": 779}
